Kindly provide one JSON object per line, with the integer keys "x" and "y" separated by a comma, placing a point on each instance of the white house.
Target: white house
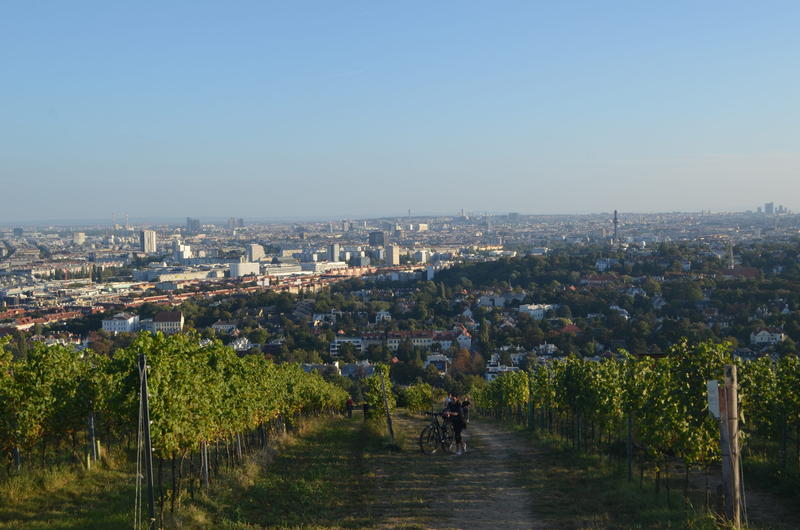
{"x": 324, "y": 318}
{"x": 493, "y": 371}
{"x": 121, "y": 323}
{"x": 603, "y": 264}
{"x": 357, "y": 342}
{"x": 620, "y": 311}
{"x": 766, "y": 337}
{"x": 168, "y": 322}
{"x": 546, "y": 349}
{"x": 241, "y": 344}
{"x": 536, "y": 311}
{"x": 381, "y": 316}
{"x": 440, "y": 361}
{"x": 491, "y": 301}
{"x": 464, "y": 339}
{"x": 223, "y": 326}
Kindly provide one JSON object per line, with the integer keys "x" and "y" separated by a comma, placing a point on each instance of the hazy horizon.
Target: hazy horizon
{"x": 221, "y": 220}
{"x": 313, "y": 110}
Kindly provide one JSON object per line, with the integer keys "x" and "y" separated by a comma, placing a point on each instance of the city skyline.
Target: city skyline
{"x": 277, "y": 110}
{"x": 222, "y": 220}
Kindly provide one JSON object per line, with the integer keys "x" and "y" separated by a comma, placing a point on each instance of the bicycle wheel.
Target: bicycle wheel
{"x": 448, "y": 438}
{"x": 429, "y": 440}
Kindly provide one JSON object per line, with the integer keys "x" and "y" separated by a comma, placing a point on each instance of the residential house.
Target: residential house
{"x": 767, "y": 337}
{"x": 168, "y": 322}
{"x": 383, "y": 316}
{"x": 537, "y": 311}
{"x": 121, "y": 323}
{"x": 223, "y": 326}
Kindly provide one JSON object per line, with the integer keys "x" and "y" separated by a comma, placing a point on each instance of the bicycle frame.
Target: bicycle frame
{"x": 437, "y": 435}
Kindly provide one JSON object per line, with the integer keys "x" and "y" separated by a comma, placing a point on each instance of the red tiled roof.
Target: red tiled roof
{"x": 167, "y": 316}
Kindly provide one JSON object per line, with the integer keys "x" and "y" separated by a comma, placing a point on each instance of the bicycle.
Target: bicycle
{"x": 437, "y": 435}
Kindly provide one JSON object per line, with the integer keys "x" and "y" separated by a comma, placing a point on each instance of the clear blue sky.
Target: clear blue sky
{"x": 338, "y": 108}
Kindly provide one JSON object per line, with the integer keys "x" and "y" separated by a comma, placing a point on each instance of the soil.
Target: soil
{"x": 474, "y": 490}
{"x": 483, "y": 492}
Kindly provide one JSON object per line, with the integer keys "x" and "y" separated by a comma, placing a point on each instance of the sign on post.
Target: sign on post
{"x": 713, "y": 397}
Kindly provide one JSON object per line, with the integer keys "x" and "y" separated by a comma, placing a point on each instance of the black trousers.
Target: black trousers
{"x": 457, "y": 428}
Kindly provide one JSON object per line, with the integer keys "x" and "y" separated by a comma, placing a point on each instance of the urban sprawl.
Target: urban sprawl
{"x": 463, "y": 297}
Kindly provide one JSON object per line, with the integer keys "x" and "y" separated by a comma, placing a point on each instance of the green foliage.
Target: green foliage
{"x": 769, "y": 395}
{"x": 508, "y": 390}
{"x": 420, "y": 397}
{"x": 665, "y": 397}
{"x": 374, "y": 389}
{"x": 198, "y": 392}
{"x": 47, "y": 395}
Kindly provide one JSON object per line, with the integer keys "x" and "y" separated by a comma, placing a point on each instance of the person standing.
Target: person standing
{"x": 349, "y": 404}
{"x": 454, "y": 412}
{"x": 465, "y": 405}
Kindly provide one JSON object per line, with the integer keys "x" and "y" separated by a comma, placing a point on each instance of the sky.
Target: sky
{"x": 350, "y": 109}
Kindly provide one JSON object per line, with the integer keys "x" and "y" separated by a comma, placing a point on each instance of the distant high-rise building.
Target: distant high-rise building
{"x": 235, "y": 222}
{"x": 181, "y": 252}
{"x": 346, "y": 226}
{"x": 254, "y": 252}
{"x": 244, "y": 269}
{"x": 192, "y": 225}
{"x": 769, "y": 208}
{"x": 378, "y": 253}
{"x": 333, "y": 252}
{"x": 377, "y": 239}
{"x": 79, "y": 238}
{"x": 18, "y": 232}
{"x": 393, "y": 255}
{"x": 147, "y": 241}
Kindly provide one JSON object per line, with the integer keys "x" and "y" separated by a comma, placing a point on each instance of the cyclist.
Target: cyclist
{"x": 454, "y": 412}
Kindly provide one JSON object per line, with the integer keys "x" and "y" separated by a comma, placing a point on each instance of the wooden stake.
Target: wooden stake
{"x": 386, "y": 405}
{"x": 204, "y": 463}
{"x": 148, "y": 446}
{"x": 729, "y": 442}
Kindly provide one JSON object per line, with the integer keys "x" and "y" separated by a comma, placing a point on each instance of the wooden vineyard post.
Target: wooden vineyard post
{"x": 725, "y": 407}
{"x": 731, "y": 390}
{"x": 629, "y": 445}
{"x": 386, "y": 405}
{"x": 148, "y": 446}
{"x": 531, "y": 422}
{"x": 204, "y": 463}
{"x": 92, "y": 442}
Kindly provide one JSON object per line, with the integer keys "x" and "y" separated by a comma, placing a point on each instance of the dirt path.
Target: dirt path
{"x": 478, "y": 490}
{"x": 482, "y": 490}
